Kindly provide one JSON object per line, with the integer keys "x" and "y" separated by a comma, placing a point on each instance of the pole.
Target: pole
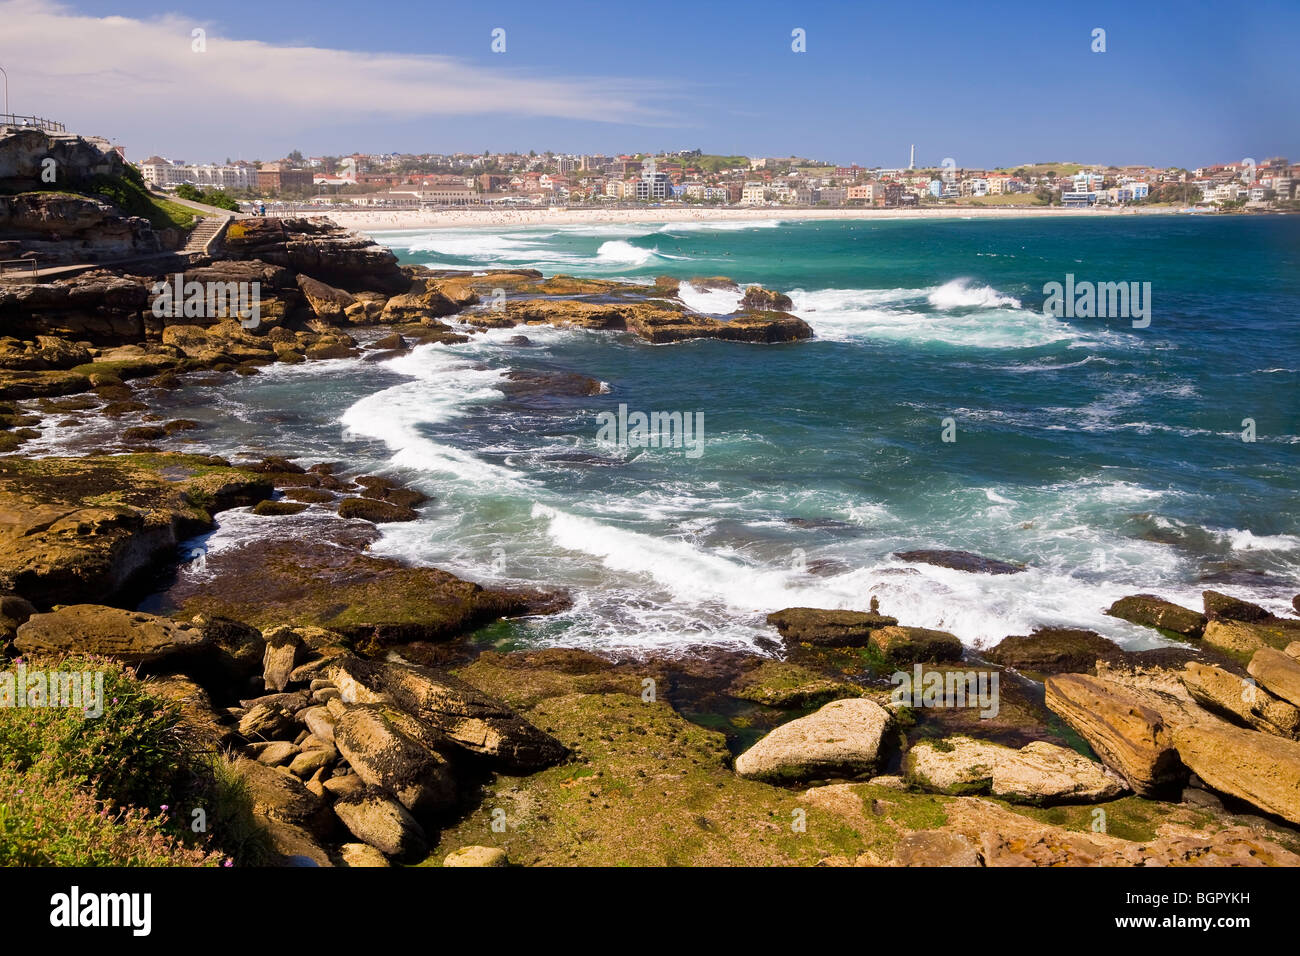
{"x": 6, "y": 75}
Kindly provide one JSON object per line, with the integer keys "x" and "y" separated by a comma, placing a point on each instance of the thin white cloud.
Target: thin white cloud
{"x": 118, "y": 73}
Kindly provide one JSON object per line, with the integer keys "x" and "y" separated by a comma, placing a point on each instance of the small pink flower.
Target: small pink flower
{"x": 163, "y": 807}
{"x": 227, "y": 863}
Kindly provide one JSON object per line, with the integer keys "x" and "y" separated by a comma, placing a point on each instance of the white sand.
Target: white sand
{"x": 514, "y": 218}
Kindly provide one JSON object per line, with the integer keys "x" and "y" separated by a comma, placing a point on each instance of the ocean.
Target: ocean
{"x": 1108, "y": 459}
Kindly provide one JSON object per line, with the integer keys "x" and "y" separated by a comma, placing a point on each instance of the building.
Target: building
{"x": 653, "y": 185}
{"x": 161, "y": 173}
{"x": 279, "y": 177}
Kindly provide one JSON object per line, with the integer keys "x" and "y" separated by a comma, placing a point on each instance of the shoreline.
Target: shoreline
{"x": 400, "y": 219}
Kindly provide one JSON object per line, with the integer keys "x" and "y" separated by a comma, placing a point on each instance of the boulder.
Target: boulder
{"x": 960, "y": 561}
{"x": 1261, "y": 769}
{"x": 1038, "y": 773}
{"x": 828, "y": 628}
{"x": 386, "y": 750}
{"x": 376, "y": 819}
{"x": 283, "y": 797}
{"x": 1054, "y": 650}
{"x": 842, "y": 739}
{"x": 470, "y": 720}
{"x": 1278, "y": 672}
{"x": 361, "y": 855}
{"x": 132, "y": 637}
{"x": 477, "y": 856}
{"x": 1221, "y": 607}
{"x": 1240, "y": 699}
{"x": 1240, "y": 639}
{"x": 327, "y": 302}
{"x": 373, "y": 509}
{"x": 756, "y": 297}
{"x": 1129, "y": 736}
{"x": 1151, "y": 611}
{"x": 907, "y": 645}
{"x": 284, "y": 651}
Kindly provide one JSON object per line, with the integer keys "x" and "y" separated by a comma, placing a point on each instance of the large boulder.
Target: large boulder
{"x": 387, "y": 749}
{"x": 283, "y": 797}
{"x": 1128, "y": 735}
{"x": 328, "y": 303}
{"x": 1241, "y": 639}
{"x": 960, "y": 561}
{"x": 375, "y": 818}
{"x": 1054, "y": 650}
{"x": 1261, "y": 769}
{"x": 908, "y": 645}
{"x": 129, "y": 636}
{"x": 318, "y": 248}
{"x": 1038, "y": 773}
{"x": 828, "y": 628}
{"x": 1151, "y": 611}
{"x": 842, "y": 739}
{"x": 1277, "y": 671}
{"x": 1240, "y": 699}
{"x": 469, "y": 719}
{"x": 1222, "y": 607}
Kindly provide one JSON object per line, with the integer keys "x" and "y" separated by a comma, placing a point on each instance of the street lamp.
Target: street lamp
{"x": 6, "y": 76}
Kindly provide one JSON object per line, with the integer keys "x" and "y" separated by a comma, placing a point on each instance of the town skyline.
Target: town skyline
{"x": 849, "y": 85}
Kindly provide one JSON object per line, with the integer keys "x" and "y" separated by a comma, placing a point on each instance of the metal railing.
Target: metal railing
{"x": 12, "y": 119}
{"x": 26, "y": 266}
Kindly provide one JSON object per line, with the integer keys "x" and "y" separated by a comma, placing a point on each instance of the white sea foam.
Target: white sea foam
{"x": 961, "y": 294}
{"x": 621, "y": 252}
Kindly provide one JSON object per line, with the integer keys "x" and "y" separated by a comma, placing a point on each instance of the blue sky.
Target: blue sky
{"x": 986, "y": 84}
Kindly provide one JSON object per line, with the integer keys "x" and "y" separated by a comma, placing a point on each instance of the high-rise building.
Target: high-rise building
{"x": 911, "y": 162}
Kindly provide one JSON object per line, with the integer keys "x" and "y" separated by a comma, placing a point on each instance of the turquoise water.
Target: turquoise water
{"x": 1108, "y": 459}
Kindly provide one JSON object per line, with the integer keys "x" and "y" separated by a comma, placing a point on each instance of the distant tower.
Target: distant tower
{"x": 911, "y": 163}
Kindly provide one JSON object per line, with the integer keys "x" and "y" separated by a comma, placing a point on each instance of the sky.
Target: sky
{"x": 988, "y": 84}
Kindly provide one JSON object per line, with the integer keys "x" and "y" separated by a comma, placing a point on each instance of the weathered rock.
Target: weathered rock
{"x": 1151, "y": 611}
{"x": 372, "y": 509}
{"x": 283, "y": 797}
{"x": 756, "y": 297}
{"x": 1240, "y": 639}
{"x": 284, "y": 651}
{"x": 1240, "y": 699}
{"x": 477, "y": 856}
{"x": 960, "y": 561}
{"x": 265, "y": 722}
{"x": 388, "y": 750}
{"x": 1038, "y": 773}
{"x": 467, "y": 718}
{"x": 277, "y": 752}
{"x": 320, "y": 249}
{"x": 1054, "y": 650}
{"x": 362, "y": 855}
{"x": 1221, "y": 607}
{"x": 130, "y": 636}
{"x": 1130, "y": 737}
{"x": 828, "y": 628}
{"x": 936, "y": 848}
{"x": 326, "y": 301}
{"x": 1278, "y": 672}
{"x": 1262, "y": 769}
{"x": 911, "y": 644}
{"x": 842, "y": 739}
{"x": 377, "y": 819}
{"x": 305, "y": 763}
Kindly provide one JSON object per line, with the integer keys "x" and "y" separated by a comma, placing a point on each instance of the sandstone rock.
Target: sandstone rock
{"x": 319, "y": 721}
{"x": 1130, "y": 737}
{"x": 338, "y": 786}
{"x": 1236, "y": 697}
{"x": 960, "y": 561}
{"x": 1222, "y": 607}
{"x": 469, "y": 719}
{"x": 371, "y": 509}
{"x": 266, "y": 722}
{"x": 842, "y": 739}
{"x": 476, "y": 856}
{"x": 387, "y": 751}
{"x": 326, "y": 301}
{"x": 130, "y": 636}
{"x": 1278, "y": 673}
{"x": 284, "y": 651}
{"x": 828, "y": 628}
{"x": 283, "y": 797}
{"x": 1241, "y": 639}
{"x": 911, "y": 644}
{"x": 306, "y": 763}
{"x": 936, "y": 848}
{"x": 201, "y": 720}
{"x": 295, "y": 845}
{"x": 377, "y": 819}
{"x": 1038, "y": 773}
{"x": 276, "y": 753}
{"x": 1054, "y": 650}
{"x": 1152, "y": 611}
{"x": 362, "y": 855}
{"x": 1262, "y": 769}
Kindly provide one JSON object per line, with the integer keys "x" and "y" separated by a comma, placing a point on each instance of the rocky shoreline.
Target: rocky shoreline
{"x": 370, "y": 725}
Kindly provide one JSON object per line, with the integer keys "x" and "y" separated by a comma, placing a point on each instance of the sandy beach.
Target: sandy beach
{"x": 379, "y": 221}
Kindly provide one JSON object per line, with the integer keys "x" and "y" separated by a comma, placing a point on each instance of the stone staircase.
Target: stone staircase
{"x": 202, "y": 234}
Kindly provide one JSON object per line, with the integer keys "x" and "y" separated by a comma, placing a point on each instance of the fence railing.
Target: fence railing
{"x": 23, "y": 267}
{"x": 13, "y": 119}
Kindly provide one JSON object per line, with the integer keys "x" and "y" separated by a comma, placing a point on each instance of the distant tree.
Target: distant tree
{"x": 295, "y": 157}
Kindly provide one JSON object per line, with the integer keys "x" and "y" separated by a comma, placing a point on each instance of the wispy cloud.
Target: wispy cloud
{"x": 118, "y": 74}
